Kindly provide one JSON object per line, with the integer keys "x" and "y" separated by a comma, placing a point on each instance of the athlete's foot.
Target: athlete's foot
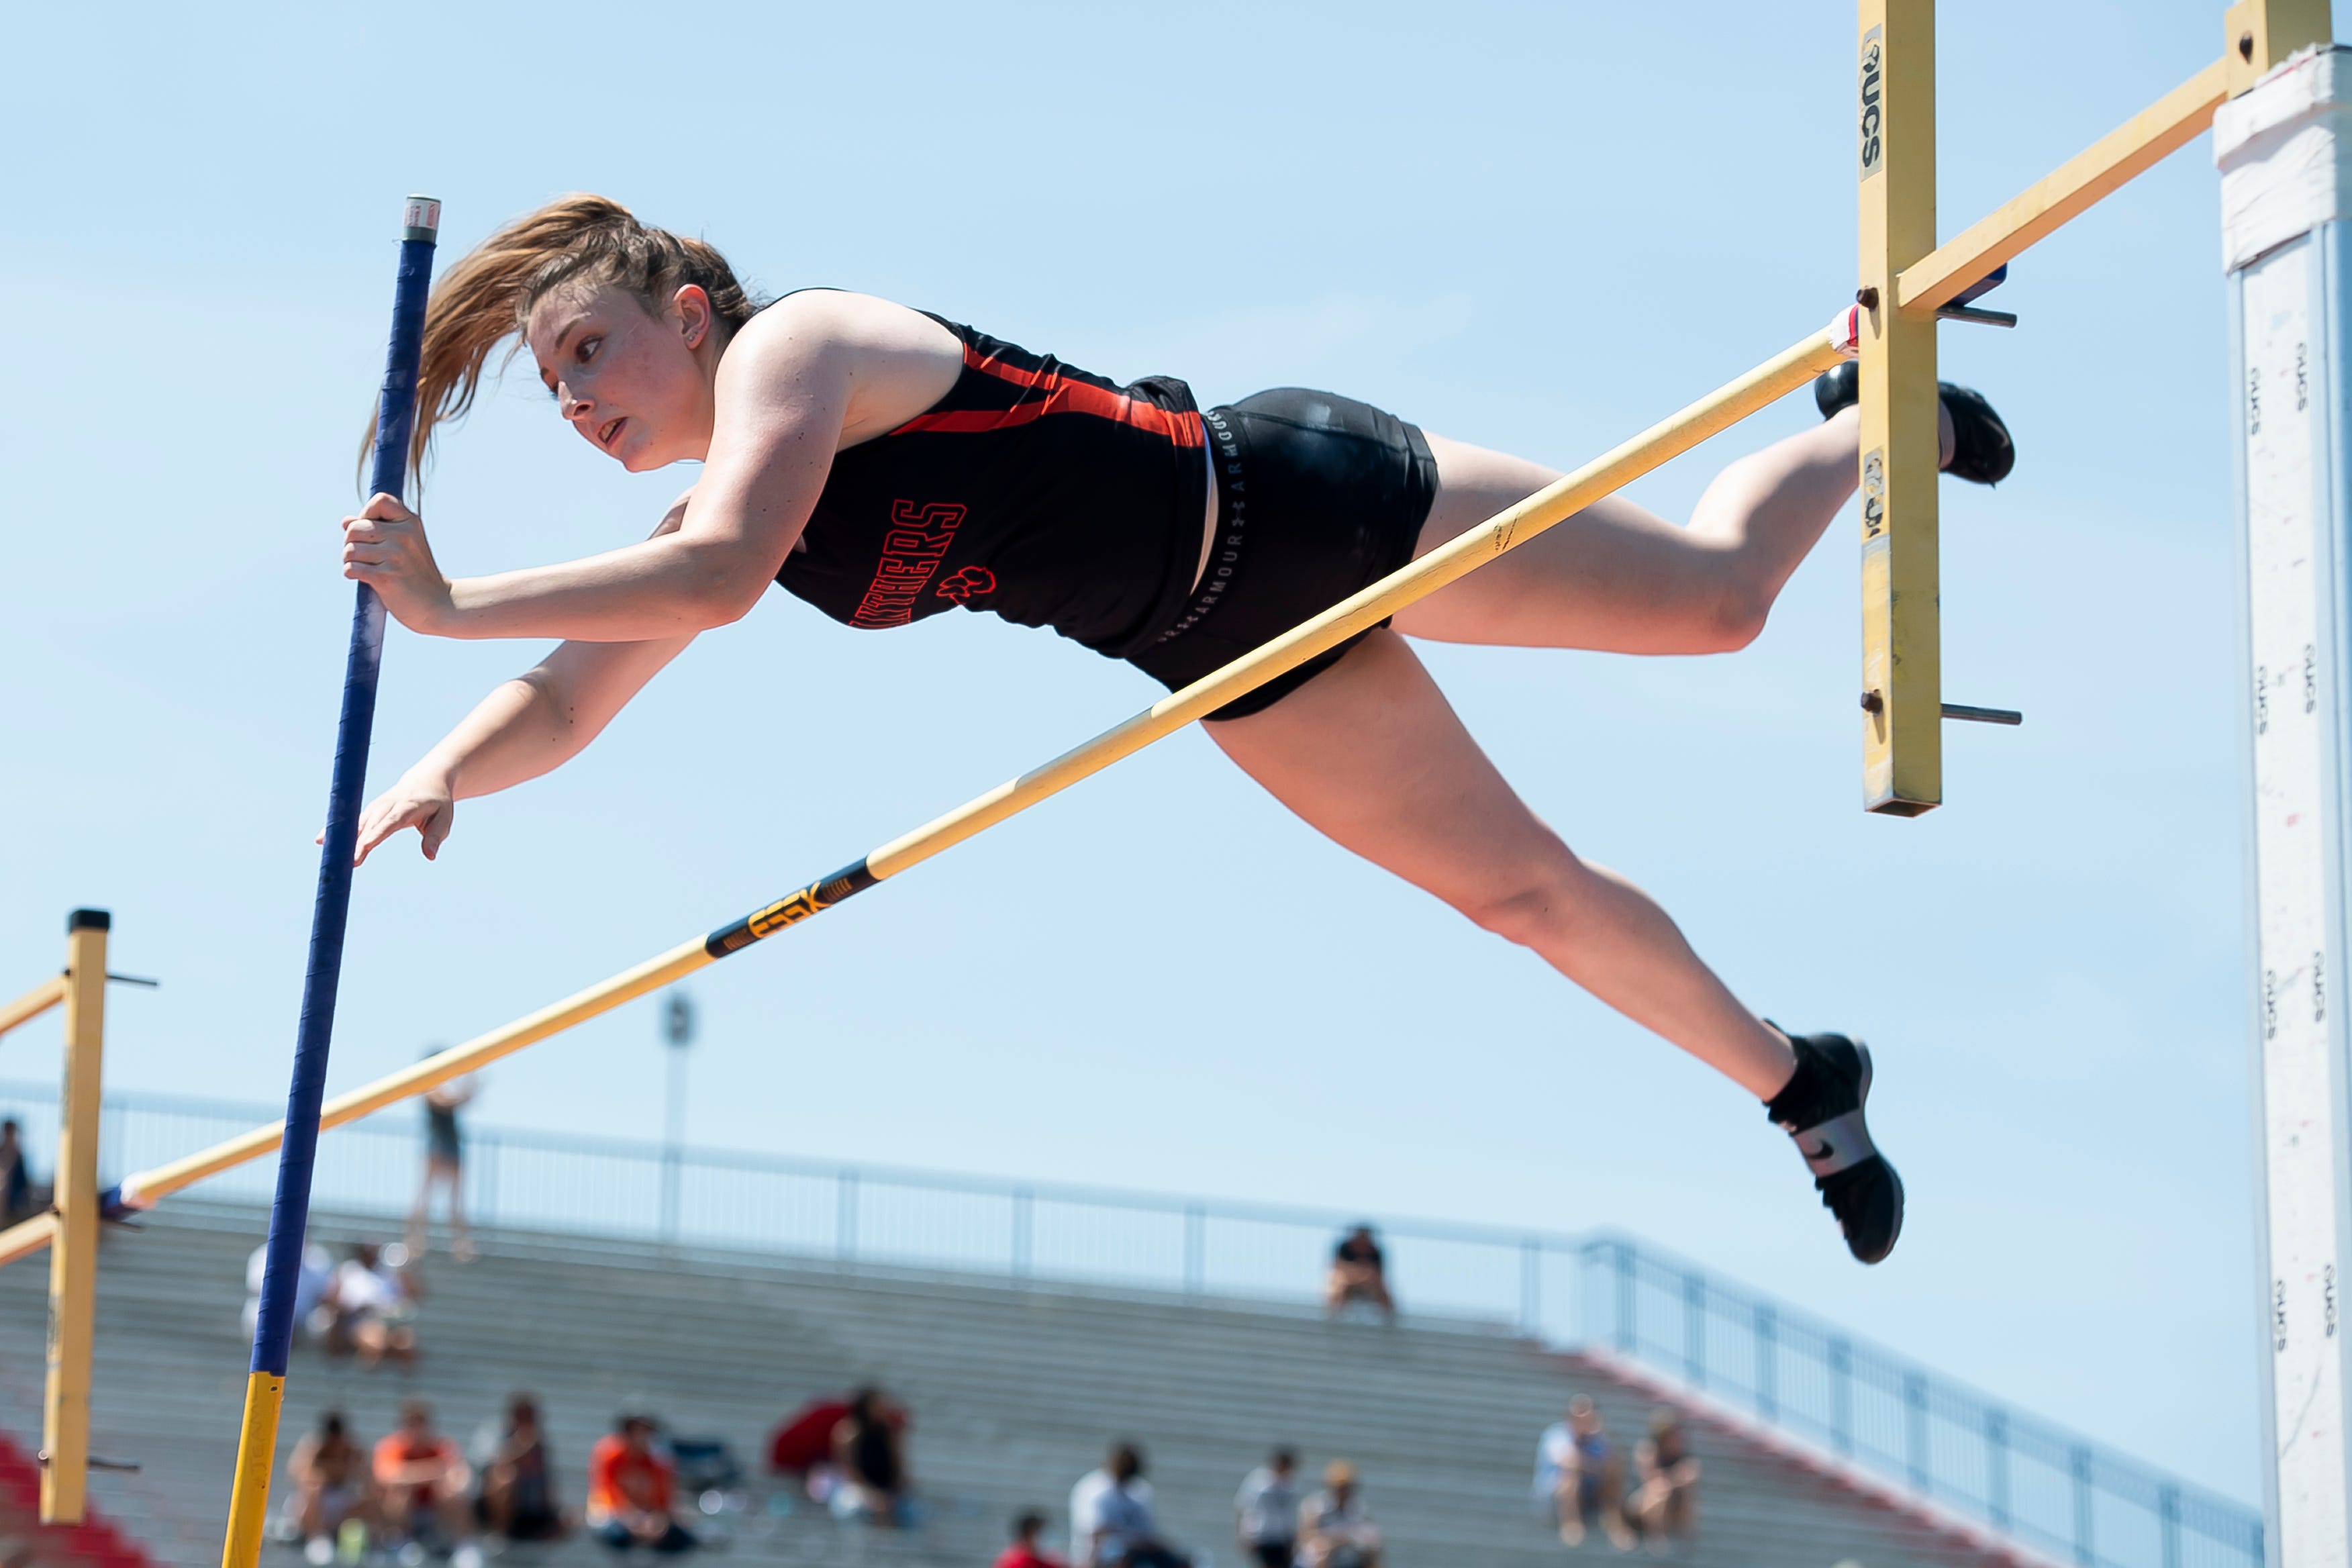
{"x": 1821, "y": 1108}
{"x": 1974, "y": 443}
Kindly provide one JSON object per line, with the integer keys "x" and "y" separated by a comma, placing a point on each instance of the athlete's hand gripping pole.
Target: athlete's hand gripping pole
{"x": 289, "y": 1214}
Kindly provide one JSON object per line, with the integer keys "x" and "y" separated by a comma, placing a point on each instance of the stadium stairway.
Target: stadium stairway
{"x": 1015, "y": 1392}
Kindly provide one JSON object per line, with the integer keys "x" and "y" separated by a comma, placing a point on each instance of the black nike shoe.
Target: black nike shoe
{"x": 1821, "y": 1108}
{"x": 1982, "y": 452}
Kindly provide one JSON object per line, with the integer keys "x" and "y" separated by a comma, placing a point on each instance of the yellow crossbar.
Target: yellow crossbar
{"x": 33, "y": 1004}
{"x": 26, "y": 1237}
{"x": 2146, "y": 139}
{"x": 1783, "y": 372}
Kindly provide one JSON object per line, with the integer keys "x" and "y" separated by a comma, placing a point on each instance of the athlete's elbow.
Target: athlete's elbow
{"x": 721, "y": 601}
{"x": 718, "y": 588}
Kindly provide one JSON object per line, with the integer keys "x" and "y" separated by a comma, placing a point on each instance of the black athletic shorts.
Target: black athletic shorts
{"x": 1317, "y": 496}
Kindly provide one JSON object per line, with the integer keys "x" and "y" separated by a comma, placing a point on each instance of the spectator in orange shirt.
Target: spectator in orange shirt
{"x": 629, "y": 1490}
{"x": 422, "y": 1477}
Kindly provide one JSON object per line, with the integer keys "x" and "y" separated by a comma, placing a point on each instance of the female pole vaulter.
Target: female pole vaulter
{"x": 885, "y": 465}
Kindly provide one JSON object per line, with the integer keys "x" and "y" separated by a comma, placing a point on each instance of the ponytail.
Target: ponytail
{"x": 484, "y": 298}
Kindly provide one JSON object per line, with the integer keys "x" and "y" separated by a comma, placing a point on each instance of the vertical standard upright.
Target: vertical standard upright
{"x": 289, "y": 1214}
{"x": 73, "y": 1257}
{"x": 1901, "y": 697}
{"x": 2285, "y": 199}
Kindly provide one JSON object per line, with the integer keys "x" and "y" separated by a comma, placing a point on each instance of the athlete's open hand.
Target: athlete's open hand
{"x": 385, "y": 547}
{"x": 422, "y": 799}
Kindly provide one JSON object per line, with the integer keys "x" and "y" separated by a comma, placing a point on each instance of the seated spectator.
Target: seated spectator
{"x": 16, "y": 1180}
{"x": 376, "y": 1305}
{"x": 1334, "y": 1530}
{"x": 630, "y": 1488}
{"x": 422, "y": 1479}
{"x": 518, "y": 1500}
{"x": 1111, "y": 1524}
{"x": 1024, "y": 1551}
{"x": 314, "y": 1313}
{"x": 1265, "y": 1512}
{"x": 803, "y": 1441}
{"x": 869, "y": 1463}
{"x": 1359, "y": 1273}
{"x": 331, "y": 1486}
{"x": 1665, "y": 1482}
{"x": 1581, "y": 1474}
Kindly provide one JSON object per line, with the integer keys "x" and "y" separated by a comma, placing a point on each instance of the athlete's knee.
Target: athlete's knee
{"x": 1721, "y": 607}
{"x": 1537, "y": 908}
{"x": 1737, "y": 618}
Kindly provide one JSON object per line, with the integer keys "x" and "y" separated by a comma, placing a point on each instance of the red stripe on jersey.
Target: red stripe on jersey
{"x": 1061, "y": 398}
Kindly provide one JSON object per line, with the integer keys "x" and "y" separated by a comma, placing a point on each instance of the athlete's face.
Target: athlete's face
{"x": 635, "y": 383}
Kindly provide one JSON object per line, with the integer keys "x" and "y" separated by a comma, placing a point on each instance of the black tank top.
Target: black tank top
{"x": 1051, "y": 495}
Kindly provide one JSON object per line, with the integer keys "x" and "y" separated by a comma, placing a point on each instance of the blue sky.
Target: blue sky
{"x": 1525, "y": 226}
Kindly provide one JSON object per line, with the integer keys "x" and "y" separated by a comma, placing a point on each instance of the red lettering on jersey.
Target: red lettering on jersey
{"x": 911, "y": 552}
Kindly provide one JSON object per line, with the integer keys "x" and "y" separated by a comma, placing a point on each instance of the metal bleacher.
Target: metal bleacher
{"x": 1015, "y": 1389}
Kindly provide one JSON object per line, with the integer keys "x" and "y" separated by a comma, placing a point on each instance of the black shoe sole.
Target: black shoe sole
{"x": 1862, "y": 1102}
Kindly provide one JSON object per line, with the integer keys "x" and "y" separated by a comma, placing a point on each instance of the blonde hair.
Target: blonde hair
{"x": 487, "y": 294}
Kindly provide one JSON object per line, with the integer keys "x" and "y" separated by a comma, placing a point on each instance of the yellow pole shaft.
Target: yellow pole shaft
{"x": 33, "y": 1004}
{"x": 73, "y": 1262}
{"x": 1726, "y": 406}
{"x": 256, "y": 1455}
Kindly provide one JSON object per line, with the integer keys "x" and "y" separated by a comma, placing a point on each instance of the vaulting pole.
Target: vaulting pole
{"x": 289, "y": 1215}
{"x": 1507, "y": 529}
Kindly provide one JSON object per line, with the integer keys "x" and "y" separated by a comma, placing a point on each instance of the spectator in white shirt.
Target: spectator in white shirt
{"x": 376, "y": 1303}
{"x": 310, "y": 1288}
{"x": 1266, "y": 1511}
{"x": 1111, "y": 1524}
{"x": 1581, "y": 1475}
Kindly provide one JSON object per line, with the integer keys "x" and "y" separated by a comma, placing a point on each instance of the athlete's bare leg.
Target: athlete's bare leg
{"x": 1370, "y": 753}
{"x": 1620, "y": 579}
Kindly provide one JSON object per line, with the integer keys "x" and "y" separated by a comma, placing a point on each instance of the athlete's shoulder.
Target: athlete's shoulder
{"x": 885, "y": 361}
{"x": 810, "y": 318}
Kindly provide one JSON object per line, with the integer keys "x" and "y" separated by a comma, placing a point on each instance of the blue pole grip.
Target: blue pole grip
{"x": 289, "y": 1213}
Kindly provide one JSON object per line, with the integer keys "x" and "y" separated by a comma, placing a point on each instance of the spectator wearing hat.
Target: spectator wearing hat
{"x": 631, "y": 1488}
{"x": 1335, "y": 1529}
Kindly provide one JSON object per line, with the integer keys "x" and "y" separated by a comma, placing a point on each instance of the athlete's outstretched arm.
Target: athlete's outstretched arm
{"x": 795, "y": 381}
{"x": 531, "y": 725}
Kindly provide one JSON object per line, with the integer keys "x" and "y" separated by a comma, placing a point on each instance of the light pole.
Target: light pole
{"x": 678, "y": 1033}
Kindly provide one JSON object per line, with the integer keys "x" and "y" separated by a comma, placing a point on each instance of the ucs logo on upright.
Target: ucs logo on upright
{"x": 1874, "y": 493}
{"x": 1873, "y": 80}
